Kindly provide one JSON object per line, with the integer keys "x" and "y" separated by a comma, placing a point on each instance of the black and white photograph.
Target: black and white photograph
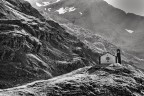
{"x": 71, "y": 47}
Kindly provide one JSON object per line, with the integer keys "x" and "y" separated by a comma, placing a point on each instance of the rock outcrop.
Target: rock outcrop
{"x": 112, "y": 80}
{"x": 32, "y": 48}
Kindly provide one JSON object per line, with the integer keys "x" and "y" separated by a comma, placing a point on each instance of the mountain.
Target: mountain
{"x": 113, "y": 80}
{"x": 33, "y": 48}
{"x": 122, "y": 29}
{"x": 41, "y": 57}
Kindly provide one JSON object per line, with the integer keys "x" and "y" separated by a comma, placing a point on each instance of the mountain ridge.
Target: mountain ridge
{"x": 103, "y": 19}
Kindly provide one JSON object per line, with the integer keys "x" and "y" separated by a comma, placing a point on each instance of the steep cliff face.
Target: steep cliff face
{"x": 113, "y": 80}
{"x": 17, "y": 9}
{"x": 33, "y": 48}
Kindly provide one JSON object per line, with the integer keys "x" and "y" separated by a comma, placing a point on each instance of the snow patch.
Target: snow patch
{"x": 129, "y": 31}
{"x": 66, "y": 9}
{"x": 43, "y": 4}
{"x": 71, "y": 9}
{"x": 80, "y": 13}
{"x": 57, "y": 1}
{"x": 38, "y": 4}
{"x": 46, "y": 3}
{"x": 61, "y": 11}
{"x": 49, "y": 9}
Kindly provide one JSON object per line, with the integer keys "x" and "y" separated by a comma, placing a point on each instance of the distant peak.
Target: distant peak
{"x": 129, "y": 6}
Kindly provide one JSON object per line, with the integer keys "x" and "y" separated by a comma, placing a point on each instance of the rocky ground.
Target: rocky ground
{"x": 112, "y": 80}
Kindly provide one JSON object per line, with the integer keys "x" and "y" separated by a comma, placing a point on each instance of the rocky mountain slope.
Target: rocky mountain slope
{"x": 100, "y": 45}
{"x": 113, "y": 80}
{"x": 120, "y": 28}
{"x": 33, "y": 48}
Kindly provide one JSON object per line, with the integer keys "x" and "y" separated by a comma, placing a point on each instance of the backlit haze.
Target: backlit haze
{"x": 129, "y": 6}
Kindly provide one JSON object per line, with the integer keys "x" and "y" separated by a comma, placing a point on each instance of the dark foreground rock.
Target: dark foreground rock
{"x": 32, "y": 48}
{"x": 113, "y": 80}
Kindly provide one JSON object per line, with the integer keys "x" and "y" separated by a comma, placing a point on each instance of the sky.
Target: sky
{"x": 129, "y": 6}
